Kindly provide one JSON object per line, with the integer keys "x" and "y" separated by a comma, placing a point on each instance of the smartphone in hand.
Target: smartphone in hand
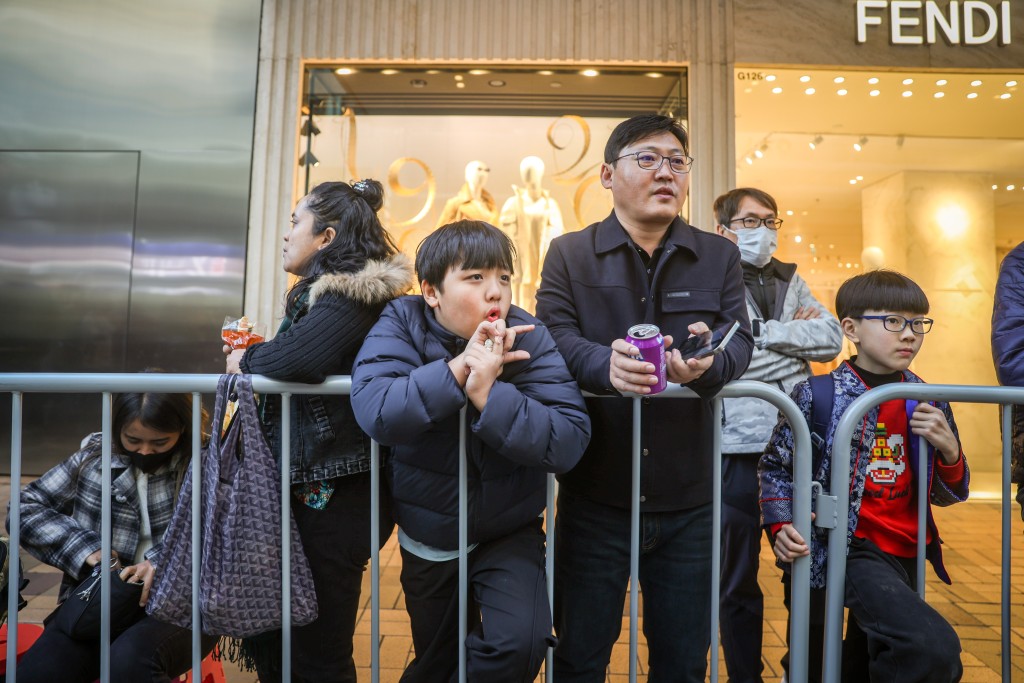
{"x": 709, "y": 343}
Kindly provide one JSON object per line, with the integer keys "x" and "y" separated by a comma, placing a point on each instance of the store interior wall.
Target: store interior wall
{"x": 126, "y": 135}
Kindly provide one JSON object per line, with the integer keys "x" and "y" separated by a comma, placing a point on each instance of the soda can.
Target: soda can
{"x": 647, "y": 338}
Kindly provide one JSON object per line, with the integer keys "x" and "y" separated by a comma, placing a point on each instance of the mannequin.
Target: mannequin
{"x": 472, "y": 202}
{"x": 532, "y": 219}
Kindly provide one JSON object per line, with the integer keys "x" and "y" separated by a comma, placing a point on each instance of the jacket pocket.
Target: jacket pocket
{"x": 690, "y": 300}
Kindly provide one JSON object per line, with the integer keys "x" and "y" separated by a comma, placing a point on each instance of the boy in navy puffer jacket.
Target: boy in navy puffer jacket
{"x": 463, "y": 345}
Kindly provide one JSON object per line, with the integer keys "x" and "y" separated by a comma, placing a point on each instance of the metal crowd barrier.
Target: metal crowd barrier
{"x": 108, "y": 384}
{"x": 840, "y": 486}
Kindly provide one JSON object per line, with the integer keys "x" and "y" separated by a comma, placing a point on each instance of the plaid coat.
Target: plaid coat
{"x": 775, "y": 470}
{"x": 61, "y": 511}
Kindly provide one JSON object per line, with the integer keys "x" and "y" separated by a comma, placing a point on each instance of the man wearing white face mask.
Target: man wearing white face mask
{"x": 791, "y": 328}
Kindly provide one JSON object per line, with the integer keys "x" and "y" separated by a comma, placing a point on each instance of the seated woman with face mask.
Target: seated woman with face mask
{"x": 60, "y": 525}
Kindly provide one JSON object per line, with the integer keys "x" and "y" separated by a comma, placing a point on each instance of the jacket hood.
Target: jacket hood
{"x": 378, "y": 282}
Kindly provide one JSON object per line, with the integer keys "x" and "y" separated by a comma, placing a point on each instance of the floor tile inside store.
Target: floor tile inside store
{"x": 971, "y": 551}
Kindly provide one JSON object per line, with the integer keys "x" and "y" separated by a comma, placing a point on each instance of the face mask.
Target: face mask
{"x": 151, "y": 463}
{"x": 756, "y": 245}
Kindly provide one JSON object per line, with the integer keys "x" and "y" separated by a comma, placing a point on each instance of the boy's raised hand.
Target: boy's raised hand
{"x": 789, "y": 545}
{"x": 930, "y": 422}
{"x": 486, "y": 353}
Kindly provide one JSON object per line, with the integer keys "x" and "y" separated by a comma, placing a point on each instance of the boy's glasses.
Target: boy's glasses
{"x": 897, "y": 323}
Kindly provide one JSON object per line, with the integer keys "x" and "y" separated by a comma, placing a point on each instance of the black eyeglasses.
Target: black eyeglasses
{"x": 897, "y": 323}
{"x": 751, "y": 222}
{"x": 650, "y": 161}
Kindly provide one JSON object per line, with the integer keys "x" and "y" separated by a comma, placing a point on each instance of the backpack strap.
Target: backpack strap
{"x": 822, "y": 397}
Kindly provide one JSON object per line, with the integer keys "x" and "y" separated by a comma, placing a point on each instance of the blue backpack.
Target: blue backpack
{"x": 823, "y": 389}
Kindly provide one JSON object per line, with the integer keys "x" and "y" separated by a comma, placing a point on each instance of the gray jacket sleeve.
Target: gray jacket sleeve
{"x": 818, "y": 340}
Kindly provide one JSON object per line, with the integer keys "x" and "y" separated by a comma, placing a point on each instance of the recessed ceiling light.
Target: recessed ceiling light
{"x": 798, "y": 239}
{"x": 873, "y": 80}
{"x": 653, "y": 74}
{"x": 776, "y": 90}
{"x": 995, "y": 187}
{"x": 749, "y": 160}
{"x": 941, "y": 81}
{"x": 460, "y": 84}
{"x": 496, "y": 83}
{"x": 809, "y": 91}
{"x": 853, "y": 181}
{"x": 939, "y": 95}
{"x": 804, "y": 79}
{"x": 1010, "y": 84}
{"x": 1005, "y": 96}
{"x": 860, "y": 177}
{"x": 908, "y": 81}
{"x": 789, "y": 213}
{"x": 838, "y": 79}
{"x": 841, "y": 92}
{"x": 546, "y": 72}
{"x": 590, "y": 73}
{"x": 389, "y": 72}
{"x": 555, "y": 84}
{"x": 874, "y": 93}
{"x": 478, "y": 72}
{"x": 908, "y": 93}
{"x": 1011, "y": 187}
{"x": 770, "y": 77}
{"x": 344, "y": 71}
{"x": 972, "y": 95}
{"x": 433, "y": 72}
{"x": 458, "y": 77}
{"x": 976, "y": 83}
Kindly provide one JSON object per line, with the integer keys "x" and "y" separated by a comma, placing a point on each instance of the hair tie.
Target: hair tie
{"x": 359, "y": 187}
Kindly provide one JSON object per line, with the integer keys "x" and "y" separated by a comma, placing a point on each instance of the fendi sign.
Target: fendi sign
{"x": 915, "y": 22}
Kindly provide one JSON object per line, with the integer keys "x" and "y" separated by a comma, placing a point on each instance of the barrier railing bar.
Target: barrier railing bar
{"x": 716, "y": 535}
{"x": 922, "y": 508}
{"x": 106, "y": 551}
{"x": 840, "y": 488}
{"x": 634, "y": 544}
{"x": 549, "y": 570}
{"x": 286, "y": 529}
{"x": 197, "y": 480}
{"x": 374, "y": 562}
{"x": 15, "y": 537}
{"x": 1007, "y": 497}
{"x": 463, "y": 544}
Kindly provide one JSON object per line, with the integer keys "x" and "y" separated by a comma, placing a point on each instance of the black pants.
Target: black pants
{"x": 336, "y": 541}
{"x": 509, "y": 620}
{"x": 150, "y": 651}
{"x": 892, "y": 634}
{"x": 741, "y": 600}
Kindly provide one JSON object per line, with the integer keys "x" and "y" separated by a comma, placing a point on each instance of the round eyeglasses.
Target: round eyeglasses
{"x": 751, "y": 222}
{"x": 650, "y": 161}
{"x": 897, "y": 323}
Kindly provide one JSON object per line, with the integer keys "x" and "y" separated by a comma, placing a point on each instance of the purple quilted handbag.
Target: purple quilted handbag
{"x": 240, "y": 576}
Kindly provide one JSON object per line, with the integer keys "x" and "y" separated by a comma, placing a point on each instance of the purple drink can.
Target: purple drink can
{"x": 647, "y": 338}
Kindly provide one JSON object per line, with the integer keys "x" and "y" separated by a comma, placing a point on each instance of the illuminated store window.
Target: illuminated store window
{"x": 450, "y": 142}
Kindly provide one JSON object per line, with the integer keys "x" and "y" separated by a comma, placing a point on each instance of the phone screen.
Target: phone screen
{"x": 708, "y": 343}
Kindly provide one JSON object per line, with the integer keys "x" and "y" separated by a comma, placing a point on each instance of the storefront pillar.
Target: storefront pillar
{"x": 939, "y": 229}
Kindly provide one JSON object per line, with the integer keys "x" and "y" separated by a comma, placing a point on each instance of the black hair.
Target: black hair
{"x": 728, "y": 204}
{"x": 640, "y": 128}
{"x": 359, "y": 235}
{"x": 880, "y": 290}
{"x": 463, "y": 244}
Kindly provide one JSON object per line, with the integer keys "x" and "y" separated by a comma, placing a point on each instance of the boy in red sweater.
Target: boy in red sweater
{"x": 892, "y": 634}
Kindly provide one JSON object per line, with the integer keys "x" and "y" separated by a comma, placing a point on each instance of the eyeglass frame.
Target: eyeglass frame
{"x": 760, "y": 222}
{"x": 636, "y": 156}
{"x": 906, "y": 321}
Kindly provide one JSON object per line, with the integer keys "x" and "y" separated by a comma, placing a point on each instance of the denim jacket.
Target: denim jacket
{"x": 323, "y": 340}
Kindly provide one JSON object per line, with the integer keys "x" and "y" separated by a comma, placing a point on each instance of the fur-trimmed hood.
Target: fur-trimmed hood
{"x": 378, "y": 282}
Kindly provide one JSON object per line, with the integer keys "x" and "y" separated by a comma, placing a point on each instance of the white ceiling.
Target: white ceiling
{"x": 952, "y": 133}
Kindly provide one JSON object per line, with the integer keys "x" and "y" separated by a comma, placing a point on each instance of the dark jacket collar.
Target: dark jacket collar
{"x": 611, "y": 235}
{"x": 776, "y": 268}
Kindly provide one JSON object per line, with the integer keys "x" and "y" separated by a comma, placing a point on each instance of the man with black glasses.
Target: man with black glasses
{"x": 791, "y": 328}
{"x": 642, "y": 264}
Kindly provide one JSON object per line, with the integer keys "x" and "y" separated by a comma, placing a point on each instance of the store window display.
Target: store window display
{"x": 531, "y": 217}
{"x": 472, "y": 202}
